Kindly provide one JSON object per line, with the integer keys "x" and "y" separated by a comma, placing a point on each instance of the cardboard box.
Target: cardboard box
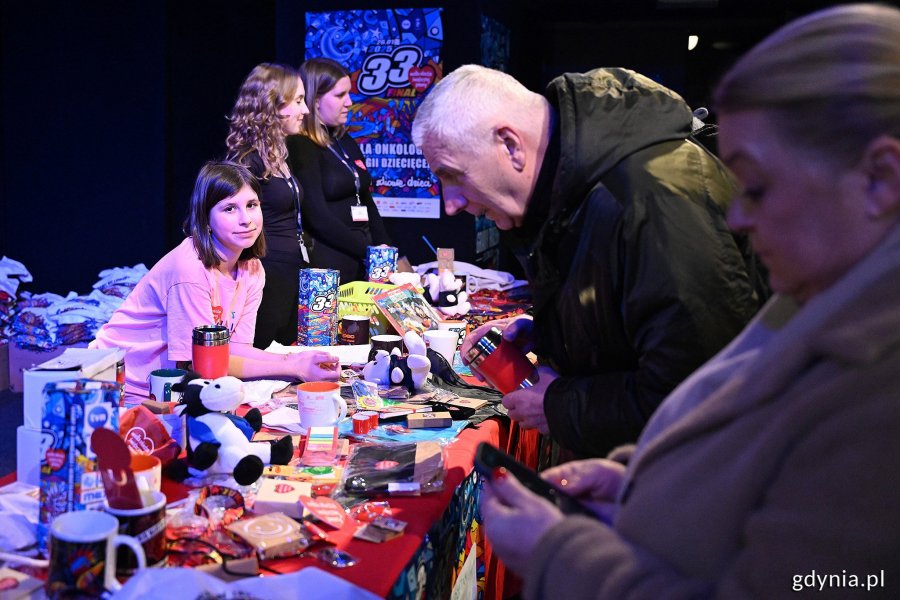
{"x": 429, "y": 419}
{"x": 281, "y": 495}
{"x": 69, "y": 476}
{"x": 72, "y": 363}
{"x": 28, "y": 455}
{"x": 273, "y": 535}
{"x": 22, "y": 359}
{"x": 317, "y": 314}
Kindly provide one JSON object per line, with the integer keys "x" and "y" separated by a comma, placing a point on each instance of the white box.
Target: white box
{"x": 281, "y": 495}
{"x": 74, "y": 363}
{"x": 28, "y": 455}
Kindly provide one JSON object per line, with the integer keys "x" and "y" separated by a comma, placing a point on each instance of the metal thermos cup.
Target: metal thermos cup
{"x": 501, "y": 363}
{"x": 209, "y": 351}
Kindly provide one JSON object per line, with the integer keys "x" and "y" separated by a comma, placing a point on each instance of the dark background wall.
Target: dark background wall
{"x": 109, "y": 108}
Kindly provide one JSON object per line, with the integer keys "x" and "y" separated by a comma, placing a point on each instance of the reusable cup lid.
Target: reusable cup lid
{"x": 210, "y": 335}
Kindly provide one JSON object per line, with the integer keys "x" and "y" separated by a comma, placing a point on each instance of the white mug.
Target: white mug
{"x": 459, "y": 327}
{"x": 147, "y": 472}
{"x": 161, "y": 382}
{"x": 320, "y": 404}
{"x": 83, "y": 553}
{"x": 442, "y": 341}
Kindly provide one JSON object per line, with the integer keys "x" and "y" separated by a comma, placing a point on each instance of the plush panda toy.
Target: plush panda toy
{"x": 447, "y": 295}
{"x": 410, "y": 371}
{"x": 219, "y": 442}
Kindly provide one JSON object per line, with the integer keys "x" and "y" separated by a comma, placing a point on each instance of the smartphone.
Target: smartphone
{"x": 488, "y": 458}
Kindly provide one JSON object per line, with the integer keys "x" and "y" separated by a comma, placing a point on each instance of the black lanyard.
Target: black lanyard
{"x": 345, "y": 160}
{"x": 295, "y": 192}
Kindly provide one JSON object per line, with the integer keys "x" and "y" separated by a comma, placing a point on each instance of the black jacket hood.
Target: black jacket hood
{"x": 627, "y": 111}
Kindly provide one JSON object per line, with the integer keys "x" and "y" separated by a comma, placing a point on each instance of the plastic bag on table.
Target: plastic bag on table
{"x": 395, "y": 469}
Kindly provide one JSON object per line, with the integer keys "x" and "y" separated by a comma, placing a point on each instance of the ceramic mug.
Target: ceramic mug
{"x": 148, "y": 526}
{"x": 83, "y": 554}
{"x": 147, "y": 472}
{"x": 161, "y": 382}
{"x": 320, "y": 404}
{"x": 354, "y": 330}
{"x": 385, "y": 342}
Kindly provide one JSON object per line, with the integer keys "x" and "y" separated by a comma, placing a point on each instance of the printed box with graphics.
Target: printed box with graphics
{"x": 380, "y": 262}
{"x": 317, "y": 315}
{"x": 69, "y": 476}
{"x": 73, "y": 363}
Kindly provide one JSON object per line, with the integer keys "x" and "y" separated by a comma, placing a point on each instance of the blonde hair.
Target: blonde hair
{"x": 319, "y": 76}
{"x": 254, "y": 123}
{"x": 458, "y": 112}
{"x": 830, "y": 80}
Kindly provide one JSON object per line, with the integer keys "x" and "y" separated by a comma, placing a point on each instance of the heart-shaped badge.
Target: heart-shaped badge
{"x": 421, "y": 77}
{"x": 138, "y": 441}
{"x": 325, "y": 509}
{"x": 55, "y": 458}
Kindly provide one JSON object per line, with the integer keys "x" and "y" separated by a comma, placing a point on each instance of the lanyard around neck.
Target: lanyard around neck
{"x": 345, "y": 160}
{"x": 295, "y": 194}
{"x": 217, "y": 300}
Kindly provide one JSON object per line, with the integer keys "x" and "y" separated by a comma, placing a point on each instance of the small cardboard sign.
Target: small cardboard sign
{"x": 326, "y": 510}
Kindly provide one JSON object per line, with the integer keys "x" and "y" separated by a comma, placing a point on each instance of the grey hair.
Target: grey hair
{"x": 458, "y": 112}
{"x": 830, "y": 81}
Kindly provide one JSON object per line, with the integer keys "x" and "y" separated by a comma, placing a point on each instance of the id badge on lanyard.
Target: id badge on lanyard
{"x": 360, "y": 213}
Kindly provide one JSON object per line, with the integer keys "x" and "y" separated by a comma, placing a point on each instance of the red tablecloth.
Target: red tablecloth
{"x": 381, "y": 564}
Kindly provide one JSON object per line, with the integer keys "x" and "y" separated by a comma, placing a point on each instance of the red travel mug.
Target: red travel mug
{"x": 209, "y": 352}
{"x": 501, "y": 363}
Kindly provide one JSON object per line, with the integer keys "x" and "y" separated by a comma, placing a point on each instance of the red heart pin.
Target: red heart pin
{"x": 421, "y": 77}
{"x": 55, "y": 458}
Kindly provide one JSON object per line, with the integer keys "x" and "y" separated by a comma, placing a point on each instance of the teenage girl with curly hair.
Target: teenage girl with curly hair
{"x": 271, "y": 106}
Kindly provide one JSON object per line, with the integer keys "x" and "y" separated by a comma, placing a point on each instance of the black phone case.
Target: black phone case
{"x": 488, "y": 458}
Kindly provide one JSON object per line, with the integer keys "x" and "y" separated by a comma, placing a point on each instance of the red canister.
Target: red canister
{"x": 373, "y": 417}
{"x": 209, "y": 351}
{"x": 501, "y": 363}
{"x": 361, "y": 424}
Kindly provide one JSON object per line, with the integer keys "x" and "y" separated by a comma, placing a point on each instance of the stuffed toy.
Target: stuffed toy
{"x": 219, "y": 442}
{"x": 400, "y": 278}
{"x": 445, "y": 292}
{"x": 409, "y": 371}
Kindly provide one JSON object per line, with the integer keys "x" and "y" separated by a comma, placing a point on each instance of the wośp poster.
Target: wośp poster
{"x": 394, "y": 57}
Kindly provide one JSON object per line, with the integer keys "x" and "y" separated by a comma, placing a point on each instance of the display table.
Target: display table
{"x": 442, "y": 529}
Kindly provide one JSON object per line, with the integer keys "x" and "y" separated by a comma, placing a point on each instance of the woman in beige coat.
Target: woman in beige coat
{"x": 774, "y": 468}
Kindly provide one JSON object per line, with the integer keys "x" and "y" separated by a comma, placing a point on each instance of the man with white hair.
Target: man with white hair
{"x": 618, "y": 219}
